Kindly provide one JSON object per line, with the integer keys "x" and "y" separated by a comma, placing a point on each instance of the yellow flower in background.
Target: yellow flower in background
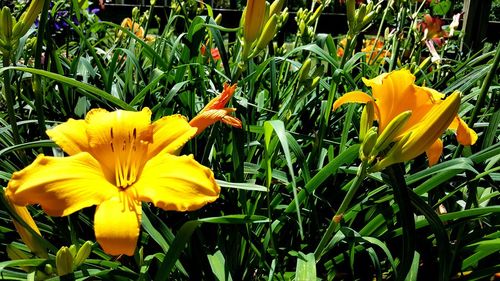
{"x": 117, "y": 159}
{"x": 395, "y": 93}
{"x": 215, "y": 111}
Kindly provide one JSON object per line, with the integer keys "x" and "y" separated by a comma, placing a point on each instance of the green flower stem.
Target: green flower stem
{"x": 405, "y": 216}
{"x": 10, "y": 101}
{"x": 331, "y": 97}
{"x": 334, "y": 223}
{"x": 37, "y": 82}
{"x": 148, "y": 22}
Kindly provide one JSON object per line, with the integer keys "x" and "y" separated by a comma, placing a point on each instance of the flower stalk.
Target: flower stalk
{"x": 37, "y": 82}
{"x": 337, "y": 218}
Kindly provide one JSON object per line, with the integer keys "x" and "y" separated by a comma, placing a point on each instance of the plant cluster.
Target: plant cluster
{"x": 194, "y": 151}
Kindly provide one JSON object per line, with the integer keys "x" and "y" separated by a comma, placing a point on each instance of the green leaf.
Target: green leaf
{"x": 279, "y": 128}
{"x": 244, "y": 186}
{"x": 306, "y": 267}
{"x": 441, "y": 8}
{"x": 219, "y": 268}
{"x": 345, "y": 158}
{"x": 86, "y": 89}
{"x": 415, "y": 265}
{"x": 184, "y": 235}
{"x": 17, "y": 263}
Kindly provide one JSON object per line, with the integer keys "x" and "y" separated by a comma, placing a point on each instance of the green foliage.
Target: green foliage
{"x": 290, "y": 168}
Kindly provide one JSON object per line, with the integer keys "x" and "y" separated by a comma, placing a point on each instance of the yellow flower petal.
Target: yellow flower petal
{"x": 71, "y": 136}
{"x": 419, "y": 100}
{"x": 176, "y": 183}
{"x": 352, "y": 97}
{"x": 394, "y": 93}
{"x": 61, "y": 185}
{"x": 377, "y": 81}
{"x": 434, "y": 152}
{"x": 104, "y": 127}
{"x": 117, "y": 224}
{"x": 170, "y": 133}
{"x": 112, "y": 135}
{"x": 431, "y": 128}
{"x": 465, "y": 135}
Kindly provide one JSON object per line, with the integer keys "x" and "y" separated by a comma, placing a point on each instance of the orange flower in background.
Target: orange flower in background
{"x": 340, "y": 49}
{"x": 215, "y": 111}
{"x": 116, "y": 161}
{"x": 395, "y": 93}
{"x": 374, "y": 52}
{"x": 132, "y": 26}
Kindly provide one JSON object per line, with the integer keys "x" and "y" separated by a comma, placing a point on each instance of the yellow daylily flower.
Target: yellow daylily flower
{"x": 215, "y": 111}
{"x": 117, "y": 159}
{"x": 394, "y": 93}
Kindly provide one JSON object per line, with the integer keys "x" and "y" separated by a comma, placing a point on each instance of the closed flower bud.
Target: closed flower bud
{"x": 268, "y": 33}
{"x": 135, "y": 12}
{"x": 253, "y": 21}
{"x": 218, "y": 19}
{"x": 48, "y": 269}
{"x": 367, "y": 145}
{"x": 314, "y": 82}
{"x": 284, "y": 15}
{"x": 29, "y": 16}
{"x": 360, "y": 15}
{"x": 351, "y": 11}
{"x": 436, "y": 122}
{"x": 366, "y": 122}
{"x": 64, "y": 261}
{"x": 316, "y": 15}
{"x": 389, "y": 159}
{"x": 422, "y": 65}
{"x": 276, "y": 7}
{"x": 390, "y": 133}
{"x": 18, "y": 29}
{"x": 6, "y": 24}
{"x": 83, "y": 253}
{"x": 72, "y": 250}
{"x": 304, "y": 70}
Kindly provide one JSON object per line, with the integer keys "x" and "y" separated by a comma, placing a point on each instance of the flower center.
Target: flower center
{"x": 129, "y": 153}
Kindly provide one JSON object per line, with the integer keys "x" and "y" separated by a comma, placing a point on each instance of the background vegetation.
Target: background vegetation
{"x": 286, "y": 172}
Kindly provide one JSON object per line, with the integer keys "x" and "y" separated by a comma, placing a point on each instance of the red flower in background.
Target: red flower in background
{"x": 213, "y": 51}
{"x": 432, "y": 29}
